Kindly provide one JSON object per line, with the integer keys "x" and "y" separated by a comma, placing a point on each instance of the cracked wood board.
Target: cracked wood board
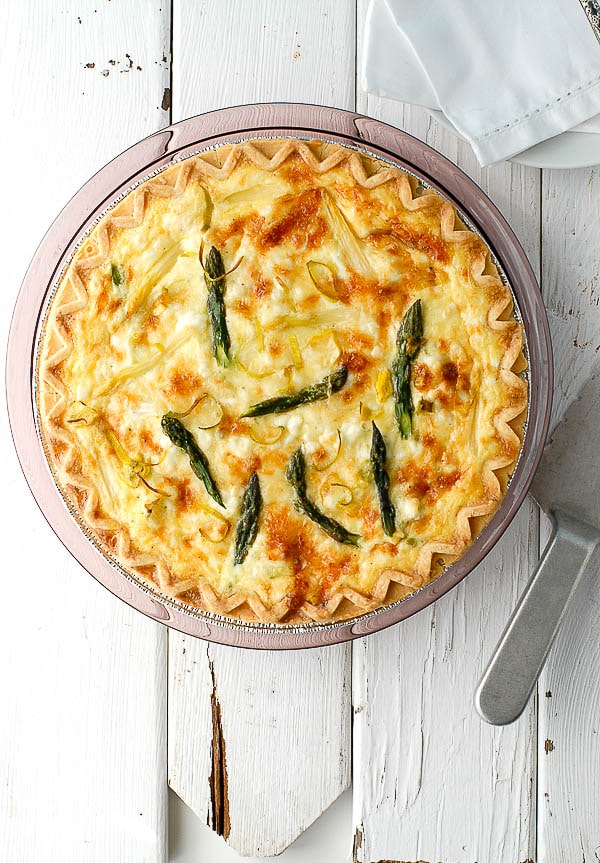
{"x": 569, "y": 687}
{"x": 431, "y": 781}
{"x": 83, "y": 724}
{"x": 259, "y": 743}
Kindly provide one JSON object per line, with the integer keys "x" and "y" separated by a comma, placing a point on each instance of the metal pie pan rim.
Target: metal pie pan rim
{"x": 201, "y": 132}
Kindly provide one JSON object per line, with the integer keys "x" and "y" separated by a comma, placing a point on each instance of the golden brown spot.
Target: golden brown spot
{"x": 149, "y": 443}
{"x": 450, "y": 373}
{"x": 221, "y": 235}
{"x": 252, "y": 464}
{"x": 183, "y": 383}
{"x": 286, "y": 540}
{"x": 390, "y": 298}
{"x": 232, "y": 425}
{"x": 296, "y": 171}
{"x": 152, "y": 322}
{"x": 297, "y": 596}
{"x": 185, "y": 494}
{"x": 102, "y": 297}
{"x": 355, "y": 361}
{"x": 320, "y": 457}
{"x": 426, "y": 242}
{"x": 332, "y": 570}
{"x": 262, "y": 287}
{"x": 464, "y": 383}
{"x": 279, "y": 528}
{"x": 416, "y": 477}
{"x": 235, "y": 465}
{"x": 59, "y": 447}
{"x": 441, "y": 483}
{"x": 275, "y": 348}
{"x": 357, "y": 341}
{"x": 242, "y": 305}
{"x": 78, "y": 494}
{"x": 370, "y": 521}
{"x": 191, "y": 597}
{"x": 302, "y": 225}
{"x": 422, "y": 377}
{"x": 420, "y": 486}
{"x": 388, "y": 547}
{"x": 361, "y": 383}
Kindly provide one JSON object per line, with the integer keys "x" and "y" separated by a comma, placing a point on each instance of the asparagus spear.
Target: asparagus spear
{"x": 184, "y": 439}
{"x": 214, "y": 276}
{"x": 331, "y": 384}
{"x": 117, "y": 276}
{"x": 296, "y": 476}
{"x": 248, "y": 524}
{"x": 382, "y": 481}
{"x": 408, "y": 342}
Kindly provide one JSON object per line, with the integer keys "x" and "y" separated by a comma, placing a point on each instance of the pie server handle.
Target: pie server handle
{"x": 512, "y": 672}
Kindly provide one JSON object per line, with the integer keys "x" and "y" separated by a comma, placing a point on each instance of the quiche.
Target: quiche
{"x": 281, "y": 381}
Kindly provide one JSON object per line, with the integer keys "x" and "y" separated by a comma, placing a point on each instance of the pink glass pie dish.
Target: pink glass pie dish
{"x": 233, "y": 125}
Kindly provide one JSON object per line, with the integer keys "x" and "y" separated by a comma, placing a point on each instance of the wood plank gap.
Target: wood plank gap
{"x": 219, "y": 797}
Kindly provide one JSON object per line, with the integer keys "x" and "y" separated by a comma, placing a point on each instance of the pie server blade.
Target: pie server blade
{"x": 567, "y": 487}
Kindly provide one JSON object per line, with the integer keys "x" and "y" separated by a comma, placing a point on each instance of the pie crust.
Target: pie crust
{"x": 327, "y": 248}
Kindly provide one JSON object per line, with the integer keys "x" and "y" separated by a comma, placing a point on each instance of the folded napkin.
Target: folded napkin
{"x": 507, "y": 74}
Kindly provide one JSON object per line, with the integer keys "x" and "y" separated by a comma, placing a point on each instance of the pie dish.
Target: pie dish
{"x": 241, "y": 314}
{"x": 150, "y": 157}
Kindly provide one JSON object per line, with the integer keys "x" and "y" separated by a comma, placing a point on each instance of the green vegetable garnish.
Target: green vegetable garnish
{"x": 408, "y": 342}
{"x": 117, "y": 277}
{"x": 296, "y": 476}
{"x": 331, "y": 384}
{"x": 214, "y": 276}
{"x": 382, "y": 482}
{"x": 247, "y": 528}
{"x": 184, "y": 439}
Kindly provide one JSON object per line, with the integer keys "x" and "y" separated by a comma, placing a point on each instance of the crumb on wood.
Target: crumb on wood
{"x": 548, "y": 745}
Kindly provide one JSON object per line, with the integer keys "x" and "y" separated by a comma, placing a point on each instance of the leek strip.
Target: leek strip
{"x": 138, "y": 369}
{"x": 344, "y": 233}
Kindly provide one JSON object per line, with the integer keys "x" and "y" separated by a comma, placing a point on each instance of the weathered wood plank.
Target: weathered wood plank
{"x": 569, "y": 690}
{"x": 83, "y": 724}
{"x": 431, "y": 782}
{"x": 271, "y": 750}
{"x": 264, "y": 51}
{"x": 258, "y": 742}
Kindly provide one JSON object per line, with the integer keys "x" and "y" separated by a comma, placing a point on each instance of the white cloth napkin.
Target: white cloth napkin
{"x": 507, "y": 74}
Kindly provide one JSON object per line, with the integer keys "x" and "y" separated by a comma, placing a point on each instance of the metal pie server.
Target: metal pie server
{"x": 567, "y": 488}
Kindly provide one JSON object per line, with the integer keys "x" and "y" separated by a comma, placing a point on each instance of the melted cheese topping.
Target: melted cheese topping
{"x": 140, "y": 346}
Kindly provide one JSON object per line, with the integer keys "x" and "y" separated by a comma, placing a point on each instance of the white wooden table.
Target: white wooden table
{"x": 259, "y": 744}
